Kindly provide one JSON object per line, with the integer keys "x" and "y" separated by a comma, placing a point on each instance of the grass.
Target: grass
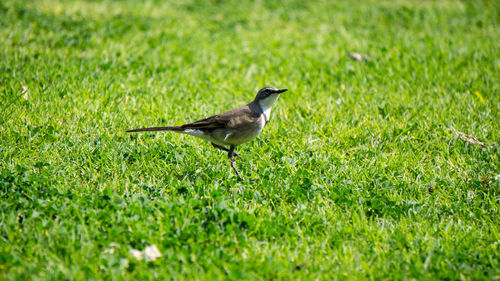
{"x": 359, "y": 175}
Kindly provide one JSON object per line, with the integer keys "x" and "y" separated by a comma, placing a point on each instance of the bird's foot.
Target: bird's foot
{"x": 233, "y": 165}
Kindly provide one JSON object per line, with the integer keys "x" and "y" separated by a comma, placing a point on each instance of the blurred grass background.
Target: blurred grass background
{"x": 359, "y": 174}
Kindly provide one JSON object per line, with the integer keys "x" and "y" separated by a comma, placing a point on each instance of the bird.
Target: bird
{"x": 227, "y": 130}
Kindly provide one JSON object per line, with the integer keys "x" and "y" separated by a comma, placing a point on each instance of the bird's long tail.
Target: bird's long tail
{"x": 154, "y": 129}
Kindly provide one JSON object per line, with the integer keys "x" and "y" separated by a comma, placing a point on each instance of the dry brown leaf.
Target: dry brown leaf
{"x": 151, "y": 253}
{"x": 136, "y": 254}
{"x": 25, "y": 92}
{"x": 359, "y": 57}
{"x": 468, "y": 138}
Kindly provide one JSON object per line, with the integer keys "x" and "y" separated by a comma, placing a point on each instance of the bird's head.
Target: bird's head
{"x": 267, "y": 96}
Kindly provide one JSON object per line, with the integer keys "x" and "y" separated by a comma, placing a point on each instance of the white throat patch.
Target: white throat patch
{"x": 266, "y": 105}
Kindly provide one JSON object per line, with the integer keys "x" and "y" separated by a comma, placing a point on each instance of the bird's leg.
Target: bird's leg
{"x": 225, "y": 149}
{"x": 230, "y": 154}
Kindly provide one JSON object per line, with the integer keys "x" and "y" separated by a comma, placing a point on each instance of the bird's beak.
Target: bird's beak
{"x": 282, "y": 91}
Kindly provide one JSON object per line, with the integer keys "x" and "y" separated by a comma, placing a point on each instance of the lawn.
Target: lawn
{"x": 361, "y": 173}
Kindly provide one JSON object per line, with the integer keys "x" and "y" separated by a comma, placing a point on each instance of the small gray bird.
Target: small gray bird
{"x": 233, "y": 127}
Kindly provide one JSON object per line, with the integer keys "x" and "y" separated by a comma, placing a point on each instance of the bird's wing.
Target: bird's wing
{"x": 212, "y": 122}
{"x": 227, "y": 120}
